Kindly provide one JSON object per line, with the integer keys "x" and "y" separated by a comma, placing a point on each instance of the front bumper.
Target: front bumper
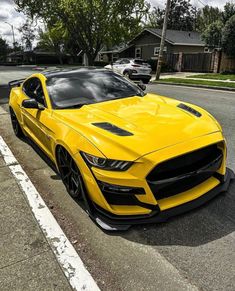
{"x": 108, "y": 221}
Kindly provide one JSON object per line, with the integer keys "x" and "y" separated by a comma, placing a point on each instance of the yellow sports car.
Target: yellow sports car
{"x": 132, "y": 157}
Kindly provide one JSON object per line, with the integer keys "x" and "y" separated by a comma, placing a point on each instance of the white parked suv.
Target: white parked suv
{"x": 134, "y": 69}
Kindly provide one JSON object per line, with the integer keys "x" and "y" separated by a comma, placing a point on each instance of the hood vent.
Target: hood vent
{"x": 112, "y": 128}
{"x": 189, "y": 109}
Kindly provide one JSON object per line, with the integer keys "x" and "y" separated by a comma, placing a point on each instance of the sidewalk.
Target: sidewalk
{"x": 188, "y": 76}
{"x": 35, "y": 253}
{"x": 27, "y": 261}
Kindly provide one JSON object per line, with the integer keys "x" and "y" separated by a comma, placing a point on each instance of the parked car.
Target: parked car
{"x": 132, "y": 157}
{"x": 134, "y": 69}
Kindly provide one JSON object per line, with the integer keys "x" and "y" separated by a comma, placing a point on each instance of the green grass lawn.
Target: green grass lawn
{"x": 198, "y": 82}
{"x": 215, "y": 76}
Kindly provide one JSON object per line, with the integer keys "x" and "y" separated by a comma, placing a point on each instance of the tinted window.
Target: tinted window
{"x": 73, "y": 90}
{"x": 140, "y": 62}
{"x": 125, "y": 61}
{"x": 33, "y": 89}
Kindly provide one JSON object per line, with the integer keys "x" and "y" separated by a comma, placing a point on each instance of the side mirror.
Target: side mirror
{"x": 32, "y": 104}
{"x": 141, "y": 86}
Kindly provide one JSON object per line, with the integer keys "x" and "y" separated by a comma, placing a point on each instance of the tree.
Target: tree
{"x": 3, "y": 49}
{"x": 90, "y": 23}
{"x": 155, "y": 18}
{"x": 208, "y": 15}
{"x": 182, "y": 16}
{"x": 228, "y": 38}
{"x": 28, "y": 34}
{"x": 53, "y": 39}
{"x": 17, "y": 47}
{"x": 212, "y": 35}
{"x": 229, "y": 11}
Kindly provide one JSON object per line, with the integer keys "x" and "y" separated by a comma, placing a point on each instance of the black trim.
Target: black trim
{"x": 108, "y": 221}
{"x": 104, "y": 186}
{"x": 189, "y": 109}
{"x": 112, "y": 128}
{"x": 15, "y": 83}
{"x": 122, "y": 198}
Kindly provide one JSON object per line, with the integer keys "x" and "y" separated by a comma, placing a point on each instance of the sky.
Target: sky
{"x": 9, "y": 14}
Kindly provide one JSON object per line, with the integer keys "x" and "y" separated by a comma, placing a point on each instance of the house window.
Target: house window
{"x": 157, "y": 49}
{"x": 115, "y": 57}
{"x": 101, "y": 57}
{"x": 138, "y": 53}
{"x": 206, "y": 49}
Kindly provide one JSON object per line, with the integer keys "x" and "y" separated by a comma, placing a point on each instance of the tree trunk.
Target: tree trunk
{"x": 60, "y": 59}
{"x": 91, "y": 59}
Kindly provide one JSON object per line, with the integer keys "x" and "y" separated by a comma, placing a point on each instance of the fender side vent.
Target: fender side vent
{"x": 189, "y": 109}
{"x": 112, "y": 128}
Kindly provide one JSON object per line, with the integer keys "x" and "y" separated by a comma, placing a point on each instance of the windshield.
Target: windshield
{"x": 73, "y": 90}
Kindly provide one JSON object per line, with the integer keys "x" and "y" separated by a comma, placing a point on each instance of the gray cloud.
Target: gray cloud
{"x": 10, "y": 15}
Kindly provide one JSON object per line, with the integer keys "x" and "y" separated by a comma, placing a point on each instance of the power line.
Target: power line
{"x": 202, "y": 3}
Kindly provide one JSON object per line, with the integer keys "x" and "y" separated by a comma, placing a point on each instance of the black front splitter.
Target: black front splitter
{"x": 110, "y": 222}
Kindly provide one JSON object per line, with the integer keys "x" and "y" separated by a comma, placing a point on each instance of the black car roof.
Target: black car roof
{"x": 63, "y": 72}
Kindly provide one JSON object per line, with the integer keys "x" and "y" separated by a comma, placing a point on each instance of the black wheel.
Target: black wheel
{"x": 69, "y": 173}
{"x": 15, "y": 124}
{"x": 126, "y": 74}
{"x": 145, "y": 81}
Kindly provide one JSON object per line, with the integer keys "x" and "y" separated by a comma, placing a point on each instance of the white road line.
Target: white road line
{"x": 6, "y": 153}
{"x": 69, "y": 260}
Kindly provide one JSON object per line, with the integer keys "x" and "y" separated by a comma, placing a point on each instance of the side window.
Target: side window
{"x": 125, "y": 61}
{"x": 117, "y": 62}
{"x": 33, "y": 89}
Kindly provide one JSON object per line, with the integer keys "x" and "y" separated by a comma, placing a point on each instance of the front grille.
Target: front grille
{"x": 184, "y": 172}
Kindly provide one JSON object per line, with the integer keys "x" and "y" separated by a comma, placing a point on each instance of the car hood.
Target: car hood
{"x": 155, "y": 122}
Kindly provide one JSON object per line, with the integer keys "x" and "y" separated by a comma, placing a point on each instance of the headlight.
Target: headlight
{"x": 106, "y": 164}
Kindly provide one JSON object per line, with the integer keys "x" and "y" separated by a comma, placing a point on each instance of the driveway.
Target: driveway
{"x": 195, "y": 251}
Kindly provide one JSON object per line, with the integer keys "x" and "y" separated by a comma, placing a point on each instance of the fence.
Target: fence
{"x": 200, "y": 62}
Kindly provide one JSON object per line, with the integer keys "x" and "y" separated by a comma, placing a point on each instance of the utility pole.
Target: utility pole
{"x": 160, "y": 55}
{"x": 13, "y": 34}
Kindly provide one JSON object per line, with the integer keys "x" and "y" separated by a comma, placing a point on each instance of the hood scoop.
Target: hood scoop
{"x": 112, "y": 128}
{"x": 189, "y": 109}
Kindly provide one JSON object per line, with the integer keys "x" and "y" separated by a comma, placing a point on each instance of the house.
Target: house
{"x": 36, "y": 57}
{"x": 146, "y": 45}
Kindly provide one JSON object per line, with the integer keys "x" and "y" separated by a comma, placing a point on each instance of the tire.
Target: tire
{"x": 15, "y": 124}
{"x": 145, "y": 81}
{"x": 126, "y": 74}
{"x": 69, "y": 173}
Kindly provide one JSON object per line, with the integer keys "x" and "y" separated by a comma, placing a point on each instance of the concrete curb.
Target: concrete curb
{"x": 67, "y": 257}
{"x": 194, "y": 86}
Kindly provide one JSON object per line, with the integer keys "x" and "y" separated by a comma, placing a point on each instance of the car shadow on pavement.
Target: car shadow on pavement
{"x": 210, "y": 222}
{"x": 45, "y": 158}
{"x": 4, "y": 94}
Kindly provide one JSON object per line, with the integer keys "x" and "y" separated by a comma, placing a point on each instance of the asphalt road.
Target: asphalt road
{"x": 195, "y": 251}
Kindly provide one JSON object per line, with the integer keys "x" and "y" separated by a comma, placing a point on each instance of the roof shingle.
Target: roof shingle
{"x": 180, "y": 37}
